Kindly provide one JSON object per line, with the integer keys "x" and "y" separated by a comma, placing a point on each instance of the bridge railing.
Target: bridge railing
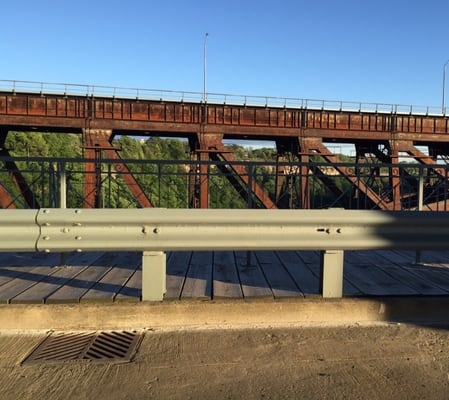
{"x": 218, "y": 98}
{"x": 175, "y": 183}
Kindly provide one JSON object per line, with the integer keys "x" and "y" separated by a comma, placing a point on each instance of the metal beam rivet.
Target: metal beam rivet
{"x": 78, "y": 237}
{"x": 46, "y": 238}
{"x": 156, "y": 230}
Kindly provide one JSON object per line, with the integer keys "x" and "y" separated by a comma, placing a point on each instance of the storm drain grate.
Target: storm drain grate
{"x": 112, "y": 346}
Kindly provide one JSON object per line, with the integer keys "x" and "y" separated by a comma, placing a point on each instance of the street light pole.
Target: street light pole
{"x": 205, "y": 54}
{"x": 444, "y": 87}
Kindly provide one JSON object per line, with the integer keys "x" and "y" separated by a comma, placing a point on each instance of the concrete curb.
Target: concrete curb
{"x": 99, "y": 316}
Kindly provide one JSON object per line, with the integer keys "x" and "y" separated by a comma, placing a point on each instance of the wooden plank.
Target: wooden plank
{"x": 435, "y": 275}
{"x": 374, "y": 281}
{"x": 73, "y": 290}
{"x": 252, "y": 279}
{"x": 394, "y": 256}
{"x": 39, "y": 292}
{"x": 26, "y": 280}
{"x": 177, "y": 266}
{"x": 132, "y": 290}
{"x": 123, "y": 267}
{"x": 305, "y": 279}
{"x": 420, "y": 283}
{"x": 277, "y": 276}
{"x": 226, "y": 283}
{"x": 310, "y": 256}
{"x": 198, "y": 283}
{"x": 7, "y": 274}
{"x": 364, "y": 257}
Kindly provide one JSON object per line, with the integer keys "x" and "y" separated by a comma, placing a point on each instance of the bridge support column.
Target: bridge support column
{"x": 331, "y": 273}
{"x": 154, "y": 275}
{"x": 200, "y": 150}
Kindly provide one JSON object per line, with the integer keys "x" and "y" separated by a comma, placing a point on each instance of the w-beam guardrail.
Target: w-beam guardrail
{"x": 155, "y": 231}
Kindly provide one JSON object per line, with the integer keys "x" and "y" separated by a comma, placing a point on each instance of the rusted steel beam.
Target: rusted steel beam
{"x": 59, "y": 111}
{"x": 17, "y": 177}
{"x": 324, "y": 152}
{"x": 243, "y": 175}
{"x": 100, "y": 139}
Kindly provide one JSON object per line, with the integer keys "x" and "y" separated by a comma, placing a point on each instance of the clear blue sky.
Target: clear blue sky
{"x": 390, "y": 51}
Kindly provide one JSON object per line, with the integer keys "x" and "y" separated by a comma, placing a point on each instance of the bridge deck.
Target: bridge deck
{"x": 108, "y": 277}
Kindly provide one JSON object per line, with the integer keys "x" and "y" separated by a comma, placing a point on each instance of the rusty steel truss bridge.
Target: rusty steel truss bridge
{"x": 301, "y": 130}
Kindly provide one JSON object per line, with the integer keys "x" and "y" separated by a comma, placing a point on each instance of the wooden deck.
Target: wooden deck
{"x": 116, "y": 277}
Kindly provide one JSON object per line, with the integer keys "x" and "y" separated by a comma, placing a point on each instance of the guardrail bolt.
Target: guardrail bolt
{"x": 156, "y": 230}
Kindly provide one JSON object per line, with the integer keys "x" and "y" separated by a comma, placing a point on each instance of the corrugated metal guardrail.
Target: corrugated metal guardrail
{"x": 154, "y": 231}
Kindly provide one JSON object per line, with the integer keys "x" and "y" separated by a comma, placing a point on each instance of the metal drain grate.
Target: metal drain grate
{"x": 112, "y": 346}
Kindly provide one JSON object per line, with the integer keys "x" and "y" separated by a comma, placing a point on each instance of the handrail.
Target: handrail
{"x": 218, "y": 98}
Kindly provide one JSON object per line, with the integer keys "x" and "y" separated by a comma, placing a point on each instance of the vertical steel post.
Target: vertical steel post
{"x": 62, "y": 185}
{"x": 331, "y": 273}
{"x": 62, "y": 196}
{"x": 153, "y": 275}
{"x": 420, "y": 205}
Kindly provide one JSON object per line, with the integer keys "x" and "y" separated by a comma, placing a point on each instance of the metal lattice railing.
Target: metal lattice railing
{"x": 174, "y": 184}
{"x": 219, "y": 98}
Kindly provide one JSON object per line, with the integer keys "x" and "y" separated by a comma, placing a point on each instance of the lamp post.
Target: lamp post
{"x": 205, "y": 54}
{"x": 444, "y": 87}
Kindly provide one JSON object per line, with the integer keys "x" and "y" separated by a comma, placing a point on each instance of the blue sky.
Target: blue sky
{"x": 389, "y": 51}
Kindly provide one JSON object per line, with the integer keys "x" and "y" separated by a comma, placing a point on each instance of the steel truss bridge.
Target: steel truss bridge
{"x": 381, "y": 134}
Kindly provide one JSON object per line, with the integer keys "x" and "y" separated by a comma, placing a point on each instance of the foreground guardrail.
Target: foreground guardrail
{"x": 155, "y": 231}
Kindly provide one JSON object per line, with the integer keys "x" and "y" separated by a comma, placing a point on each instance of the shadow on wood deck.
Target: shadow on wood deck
{"x": 32, "y": 278}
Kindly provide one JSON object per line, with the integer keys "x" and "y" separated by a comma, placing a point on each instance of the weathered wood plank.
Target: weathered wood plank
{"x": 436, "y": 275}
{"x": 374, "y": 281}
{"x": 132, "y": 290}
{"x": 252, "y": 279}
{"x": 73, "y": 290}
{"x": 106, "y": 288}
{"x": 405, "y": 275}
{"x": 226, "y": 281}
{"x": 304, "y": 278}
{"x": 198, "y": 283}
{"x": 278, "y": 278}
{"x": 39, "y": 292}
{"x": 26, "y": 280}
{"x": 177, "y": 266}
{"x": 310, "y": 256}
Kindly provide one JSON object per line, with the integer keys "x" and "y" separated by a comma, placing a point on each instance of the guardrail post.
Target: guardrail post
{"x": 153, "y": 275}
{"x": 331, "y": 273}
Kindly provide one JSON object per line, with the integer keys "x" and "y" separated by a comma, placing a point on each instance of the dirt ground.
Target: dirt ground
{"x": 378, "y": 361}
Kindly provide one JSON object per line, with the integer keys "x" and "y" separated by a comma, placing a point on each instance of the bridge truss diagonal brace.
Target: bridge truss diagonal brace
{"x": 19, "y": 180}
{"x": 101, "y": 138}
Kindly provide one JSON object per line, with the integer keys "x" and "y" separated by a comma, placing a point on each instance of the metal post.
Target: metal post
{"x": 62, "y": 185}
{"x": 331, "y": 271}
{"x": 443, "y": 108}
{"x": 153, "y": 275}
{"x": 420, "y": 205}
{"x": 62, "y": 198}
{"x": 205, "y": 54}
